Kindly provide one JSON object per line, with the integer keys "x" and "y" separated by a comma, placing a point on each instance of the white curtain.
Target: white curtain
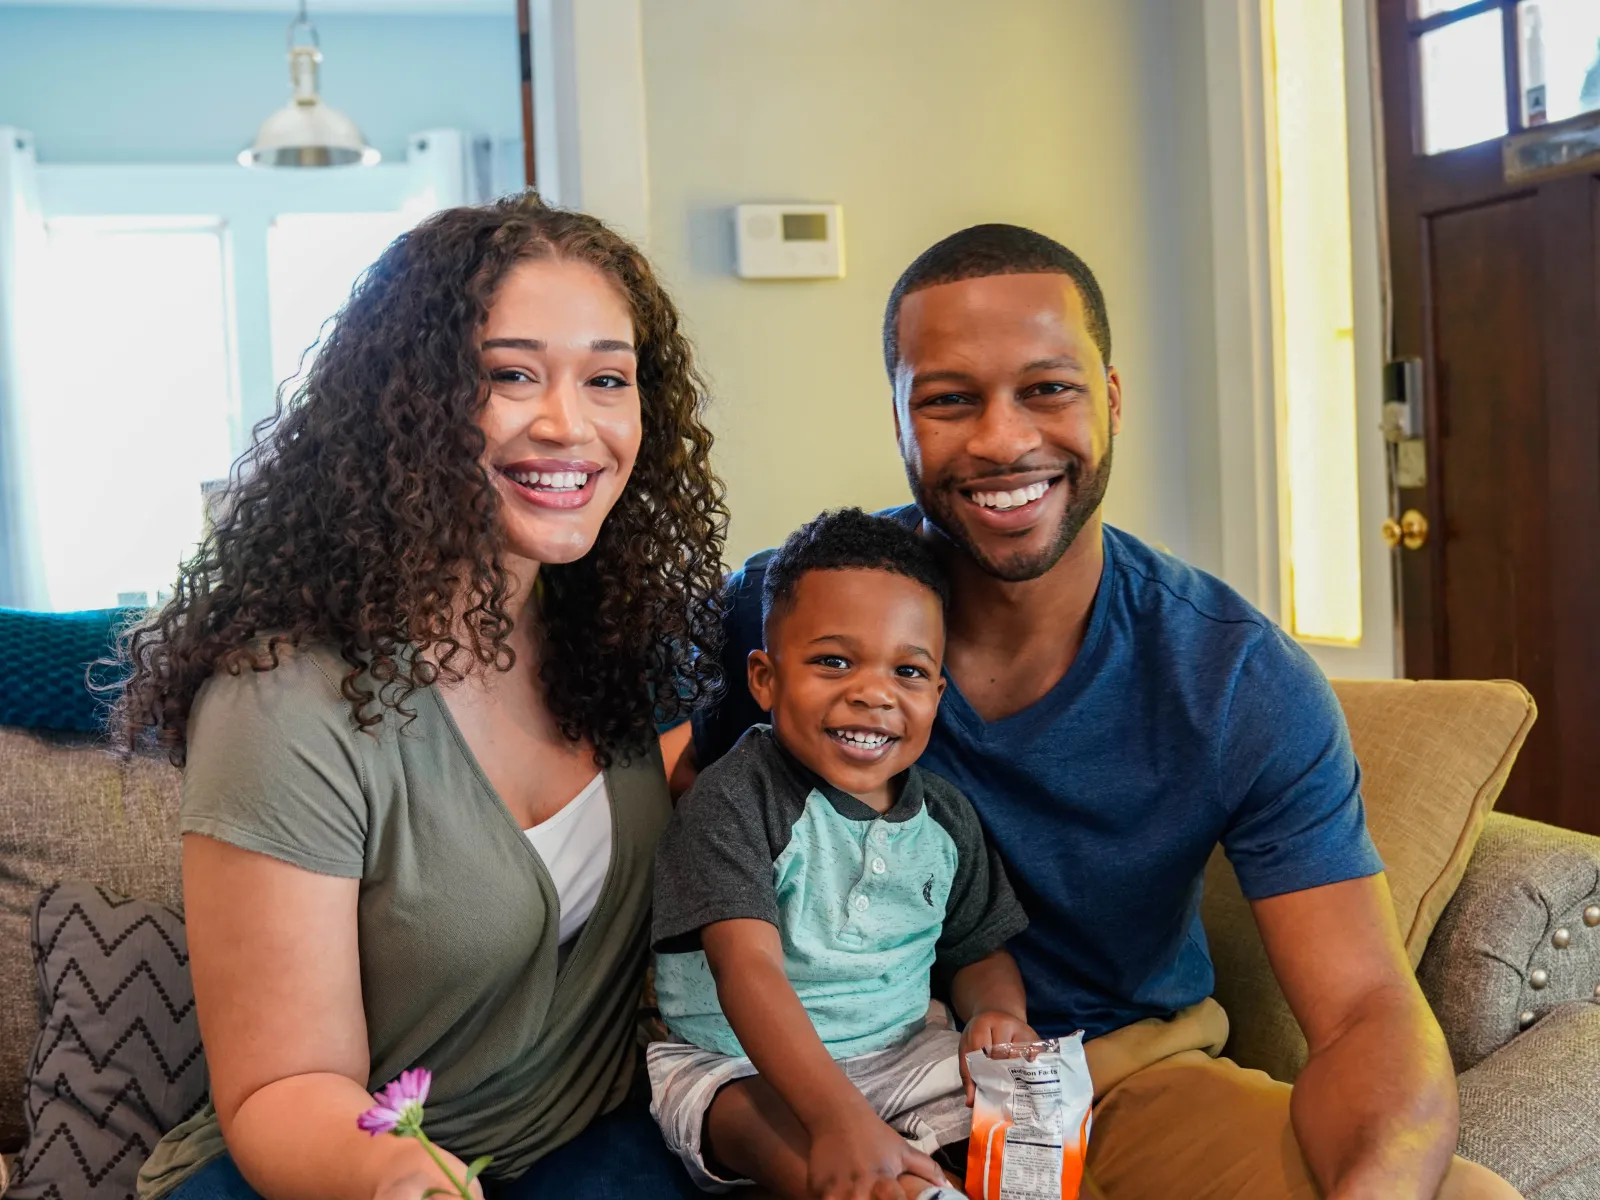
{"x": 22, "y": 249}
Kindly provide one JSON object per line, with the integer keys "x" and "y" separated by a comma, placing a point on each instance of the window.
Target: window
{"x": 1463, "y": 72}
{"x": 130, "y": 408}
{"x": 1473, "y": 87}
{"x": 1560, "y": 59}
{"x": 1315, "y": 318}
{"x": 134, "y": 401}
{"x": 313, "y": 260}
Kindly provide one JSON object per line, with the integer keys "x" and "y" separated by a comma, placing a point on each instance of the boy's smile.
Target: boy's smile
{"x": 863, "y": 743}
{"x": 851, "y": 676}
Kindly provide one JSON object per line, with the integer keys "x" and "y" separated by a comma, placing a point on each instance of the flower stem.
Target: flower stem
{"x": 461, "y": 1189}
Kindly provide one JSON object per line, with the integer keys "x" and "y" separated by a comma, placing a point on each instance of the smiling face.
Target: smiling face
{"x": 1005, "y": 412}
{"x": 562, "y": 421}
{"x": 851, "y": 675}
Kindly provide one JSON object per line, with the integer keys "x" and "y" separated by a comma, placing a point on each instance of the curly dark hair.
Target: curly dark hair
{"x": 847, "y": 539}
{"x": 363, "y": 517}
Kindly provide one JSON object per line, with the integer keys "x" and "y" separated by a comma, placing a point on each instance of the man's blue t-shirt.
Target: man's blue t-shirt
{"x": 1187, "y": 719}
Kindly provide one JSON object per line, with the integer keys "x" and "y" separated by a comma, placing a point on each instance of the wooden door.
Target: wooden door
{"x": 1496, "y": 289}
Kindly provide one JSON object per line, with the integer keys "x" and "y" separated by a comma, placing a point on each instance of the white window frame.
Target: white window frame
{"x": 438, "y": 172}
{"x": 433, "y": 175}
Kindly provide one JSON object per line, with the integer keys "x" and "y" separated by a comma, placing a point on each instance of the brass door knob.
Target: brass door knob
{"x": 1410, "y": 531}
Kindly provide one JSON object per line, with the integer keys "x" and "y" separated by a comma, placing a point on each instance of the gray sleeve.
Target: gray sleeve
{"x": 982, "y": 914}
{"x": 714, "y": 862}
{"x": 274, "y": 768}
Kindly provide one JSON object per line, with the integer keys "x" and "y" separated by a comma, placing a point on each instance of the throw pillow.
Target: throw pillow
{"x": 118, "y": 1061}
{"x": 1434, "y": 756}
{"x": 70, "y": 810}
{"x": 44, "y": 674}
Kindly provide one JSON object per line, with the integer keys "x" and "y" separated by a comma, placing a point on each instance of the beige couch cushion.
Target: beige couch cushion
{"x": 1434, "y": 756}
{"x": 70, "y": 811}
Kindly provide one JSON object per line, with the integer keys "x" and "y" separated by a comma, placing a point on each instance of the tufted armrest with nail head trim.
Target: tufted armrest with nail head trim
{"x": 1531, "y": 1110}
{"x": 1520, "y": 938}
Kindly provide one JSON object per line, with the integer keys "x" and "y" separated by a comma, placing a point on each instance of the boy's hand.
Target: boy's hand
{"x": 987, "y": 1029}
{"x": 856, "y": 1156}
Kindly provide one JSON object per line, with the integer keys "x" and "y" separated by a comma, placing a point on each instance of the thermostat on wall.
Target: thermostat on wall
{"x": 789, "y": 241}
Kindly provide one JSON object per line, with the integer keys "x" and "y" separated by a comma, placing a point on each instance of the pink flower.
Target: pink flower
{"x": 398, "y": 1110}
{"x": 400, "y": 1103}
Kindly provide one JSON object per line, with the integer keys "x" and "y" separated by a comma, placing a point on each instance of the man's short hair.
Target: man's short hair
{"x": 983, "y": 250}
{"x": 847, "y": 539}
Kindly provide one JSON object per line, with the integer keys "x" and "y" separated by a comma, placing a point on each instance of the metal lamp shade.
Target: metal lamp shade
{"x": 306, "y": 132}
{"x": 308, "y": 135}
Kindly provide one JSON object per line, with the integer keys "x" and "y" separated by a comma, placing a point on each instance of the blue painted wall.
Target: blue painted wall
{"x": 133, "y": 86}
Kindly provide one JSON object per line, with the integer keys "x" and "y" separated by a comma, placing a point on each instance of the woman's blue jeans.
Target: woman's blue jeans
{"x": 619, "y": 1157}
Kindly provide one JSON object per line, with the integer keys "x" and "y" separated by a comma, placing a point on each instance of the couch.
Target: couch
{"x": 1501, "y": 916}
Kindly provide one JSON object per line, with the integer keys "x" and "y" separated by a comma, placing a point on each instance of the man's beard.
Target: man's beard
{"x": 1085, "y": 494}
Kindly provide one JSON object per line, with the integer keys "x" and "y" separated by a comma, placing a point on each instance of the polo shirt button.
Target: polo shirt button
{"x": 879, "y": 867}
{"x": 862, "y": 903}
{"x": 880, "y": 835}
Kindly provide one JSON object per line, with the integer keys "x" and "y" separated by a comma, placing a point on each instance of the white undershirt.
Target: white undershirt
{"x": 575, "y": 845}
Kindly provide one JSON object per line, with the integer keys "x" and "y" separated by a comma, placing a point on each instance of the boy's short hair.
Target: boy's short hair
{"x": 847, "y": 539}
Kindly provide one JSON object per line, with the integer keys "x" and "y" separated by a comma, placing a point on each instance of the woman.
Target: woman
{"x": 414, "y": 678}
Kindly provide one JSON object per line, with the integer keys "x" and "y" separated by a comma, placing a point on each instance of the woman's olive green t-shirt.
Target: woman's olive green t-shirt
{"x": 457, "y": 916}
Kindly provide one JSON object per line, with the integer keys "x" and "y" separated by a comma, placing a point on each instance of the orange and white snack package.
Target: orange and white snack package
{"x": 1031, "y": 1110}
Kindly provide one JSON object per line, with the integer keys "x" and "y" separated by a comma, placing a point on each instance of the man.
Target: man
{"x": 1114, "y": 714}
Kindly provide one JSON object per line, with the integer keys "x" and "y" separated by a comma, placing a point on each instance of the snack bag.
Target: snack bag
{"x": 1030, "y": 1120}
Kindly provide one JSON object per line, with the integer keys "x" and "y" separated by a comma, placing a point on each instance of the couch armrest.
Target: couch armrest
{"x": 1531, "y": 1110}
{"x": 1520, "y": 938}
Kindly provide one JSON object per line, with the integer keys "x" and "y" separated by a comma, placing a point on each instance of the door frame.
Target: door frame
{"x": 588, "y": 122}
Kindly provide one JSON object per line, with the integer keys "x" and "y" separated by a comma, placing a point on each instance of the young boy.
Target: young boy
{"x": 811, "y": 881}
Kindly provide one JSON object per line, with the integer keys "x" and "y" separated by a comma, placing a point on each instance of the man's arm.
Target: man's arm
{"x": 1375, "y": 1108}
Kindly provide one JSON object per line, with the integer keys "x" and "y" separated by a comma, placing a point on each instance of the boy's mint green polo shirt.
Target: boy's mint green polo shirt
{"x": 867, "y": 903}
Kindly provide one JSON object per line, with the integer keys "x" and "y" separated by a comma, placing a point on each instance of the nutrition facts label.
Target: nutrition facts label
{"x": 1032, "y": 1169}
{"x": 1030, "y": 1120}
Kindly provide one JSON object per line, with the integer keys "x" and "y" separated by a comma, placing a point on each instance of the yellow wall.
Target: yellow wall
{"x": 1081, "y": 118}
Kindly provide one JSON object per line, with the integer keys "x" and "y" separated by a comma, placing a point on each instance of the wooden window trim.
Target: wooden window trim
{"x": 1511, "y": 43}
{"x": 1419, "y": 26}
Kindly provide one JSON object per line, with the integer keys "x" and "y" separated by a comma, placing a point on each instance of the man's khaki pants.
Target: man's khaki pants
{"x": 1172, "y": 1121}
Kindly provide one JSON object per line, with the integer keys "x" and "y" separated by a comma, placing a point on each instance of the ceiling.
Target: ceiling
{"x": 287, "y": 7}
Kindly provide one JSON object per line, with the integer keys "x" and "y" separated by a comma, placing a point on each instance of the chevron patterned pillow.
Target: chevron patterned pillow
{"x": 118, "y": 1061}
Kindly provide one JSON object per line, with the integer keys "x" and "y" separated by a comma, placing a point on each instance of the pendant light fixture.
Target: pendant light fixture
{"x": 306, "y": 132}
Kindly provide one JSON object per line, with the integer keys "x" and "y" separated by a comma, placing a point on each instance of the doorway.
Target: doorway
{"x": 1492, "y": 154}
